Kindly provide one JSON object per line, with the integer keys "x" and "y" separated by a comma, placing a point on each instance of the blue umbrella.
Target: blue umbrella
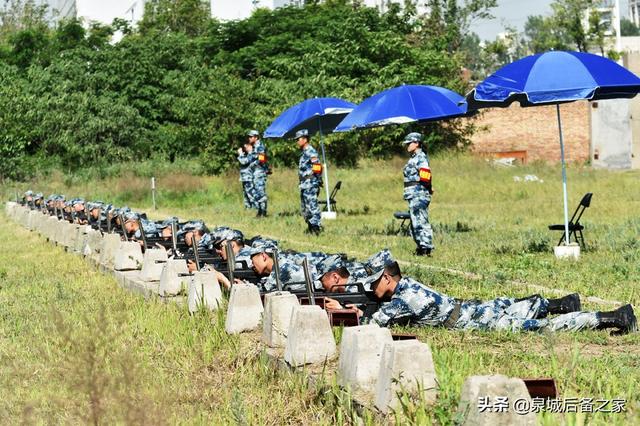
{"x": 318, "y": 115}
{"x": 404, "y": 104}
{"x": 553, "y": 78}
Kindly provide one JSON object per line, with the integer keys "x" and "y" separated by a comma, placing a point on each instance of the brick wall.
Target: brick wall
{"x": 535, "y": 130}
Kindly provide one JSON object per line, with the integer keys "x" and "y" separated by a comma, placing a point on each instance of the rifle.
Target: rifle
{"x": 307, "y": 281}
{"x": 124, "y": 230}
{"x": 100, "y": 219}
{"x": 144, "y": 237}
{"x": 276, "y": 266}
{"x": 109, "y": 216}
{"x": 174, "y": 238}
{"x": 196, "y": 255}
{"x": 231, "y": 261}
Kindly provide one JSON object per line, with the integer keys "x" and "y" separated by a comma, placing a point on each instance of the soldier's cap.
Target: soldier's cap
{"x": 167, "y": 222}
{"x": 302, "y": 133}
{"x": 191, "y": 226}
{"x": 253, "y": 133}
{"x": 222, "y": 234}
{"x": 131, "y": 216}
{"x": 375, "y": 265}
{"x": 413, "y": 137}
{"x": 77, "y": 201}
{"x": 329, "y": 263}
{"x": 38, "y": 196}
{"x": 67, "y": 203}
{"x": 262, "y": 246}
{"x": 92, "y": 205}
{"x": 28, "y": 193}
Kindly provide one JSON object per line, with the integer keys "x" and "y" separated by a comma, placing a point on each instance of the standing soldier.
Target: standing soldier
{"x": 260, "y": 171}
{"x": 417, "y": 191}
{"x": 310, "y": 174}
{"x": 245, "y": 157}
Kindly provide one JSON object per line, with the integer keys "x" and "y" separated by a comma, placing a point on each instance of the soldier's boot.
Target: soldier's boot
{"x": 564, "y": 305}
{"x": 622, "y": 318}
{"x": 423, "y": 252}
{"x": 315, "y": 229}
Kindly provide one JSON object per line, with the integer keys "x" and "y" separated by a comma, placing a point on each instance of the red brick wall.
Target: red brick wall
{"x": 535, "y": 130}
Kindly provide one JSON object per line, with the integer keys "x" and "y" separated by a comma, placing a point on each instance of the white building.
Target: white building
{"x": 634, "y": 11}
{"x": 93, "y": 10}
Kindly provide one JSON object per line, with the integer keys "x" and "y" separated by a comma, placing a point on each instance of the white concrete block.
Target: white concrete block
{"x": 407, "y": 365}
{"x": 70, "y": 235}
{"x": 245, "y": 309}
{"x": 491, "y": 387}
{"x": 50, "y": 227}
{"x": 61, "y": 232}
{"x": 361, "y": 356}
{"x": 128, "y": 256}
{"x": 310, "y": 338}
{"x": 570, "y": 252}
{"x": 92, "y": 244}
{"x": 204, "y": 290}
{"x": 278, "y": 307}
{"x": 153, "y": 262}
{"x": 174, "y": 277}
{"x": 9, "y": 208}
{"x": 24, "y": 217}
{"x": 32, "y": 218}
{"x": 81, "y": 238}
{"x": 110, "y": 244}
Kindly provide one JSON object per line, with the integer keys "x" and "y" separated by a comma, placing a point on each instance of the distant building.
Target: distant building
{"x": 634, "y": 11}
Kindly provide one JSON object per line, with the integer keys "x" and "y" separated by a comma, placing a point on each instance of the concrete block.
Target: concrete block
{"x": 32, "y": 218}
{"x": 174, "y": 277}
{"x": 310, "y": 338}
{"x": 50, "y": 227}
{"x": 61, "y": 232}
{"x": 81, "y": 238}
{"x": 361, "y": 356}
{"x": 476, "y": 388}
{"x": 153, "y": 262}
{"x": 9, "y": 208}
{"x": 110, "y": 244}
{"x": 24, "y": 217}
{"x": 245, "y": 309}
{"x": 204, "y": 290}
{"x": 407, "y": 365}
{"x": 571, "y": 252}
{"x": 70, "y": 235}
{"x": 128, "y": 256}
{"x": 278, "y": 307}
{"x": 92, "y": 243}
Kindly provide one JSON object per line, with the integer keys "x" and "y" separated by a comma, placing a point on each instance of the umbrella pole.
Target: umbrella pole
{"x": 564, "y": 178}
{"x": 325, "y": 173}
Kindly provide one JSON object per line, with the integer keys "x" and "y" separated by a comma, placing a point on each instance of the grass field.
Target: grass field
{"x": 61, "y": 322}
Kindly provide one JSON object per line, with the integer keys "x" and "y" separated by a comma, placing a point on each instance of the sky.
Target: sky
{"x": 515, "y": 13}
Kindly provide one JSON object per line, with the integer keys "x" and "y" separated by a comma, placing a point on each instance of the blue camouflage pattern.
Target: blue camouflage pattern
{"x": 309, "y": 185}
{"x": 414, "y": 303}
{"x": 149, "y": 228}
{"x": 246, "y": 177}
{"x": 291, "y": 275}
{"x": 260, "y": 176}
{"x": 419, "y": 198}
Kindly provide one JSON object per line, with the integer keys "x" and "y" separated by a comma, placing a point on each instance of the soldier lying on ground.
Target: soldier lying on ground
{"x": 415, "y": 303}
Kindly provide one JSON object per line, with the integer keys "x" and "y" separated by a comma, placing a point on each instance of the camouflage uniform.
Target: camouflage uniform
{"x": 357, "y": 272}
{"x": 291, "y": 272}
{"x": 246, "y": 177}
{"x": 415, "y": 303}
{"x": 260, "y": 170}
{"x": 310, "y": 175}
{"x": 417, "y": 191}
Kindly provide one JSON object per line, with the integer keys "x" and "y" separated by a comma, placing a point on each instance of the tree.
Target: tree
{"x": 186, "y": 16}
{"x": 543, "y": 34}
{"x": 17, "y": 15}
{"x": 628, "y": 28}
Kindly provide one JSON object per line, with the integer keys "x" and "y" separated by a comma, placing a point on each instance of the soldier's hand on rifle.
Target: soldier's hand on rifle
{"x": 354, "y": 308}
{"x": 330, "y": 303}
{"x": 223, "y": 280}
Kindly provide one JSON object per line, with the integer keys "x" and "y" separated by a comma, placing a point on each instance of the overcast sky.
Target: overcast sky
{"x": 515, "y": 13}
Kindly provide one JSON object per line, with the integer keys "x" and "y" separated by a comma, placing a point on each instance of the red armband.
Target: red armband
{"x": 425, "y": 175}
{"x": 262, "y": 158}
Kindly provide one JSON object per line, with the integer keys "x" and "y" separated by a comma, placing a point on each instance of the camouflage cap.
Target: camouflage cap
{"x": 28, "y": 193}
{"x": 262, "y": 246}
{"x": 328, "y": 264}
{"x": 77, "y": 201}
{"x": 253, "y": 133}
{"x": 302, "y": 133}
{"x": 131, "y": 216}
{"x": 92, "y": 205}
{"x": 38, "y": 196}
{"x": 167, "y": 222}
{"x": 413, "y": 137}
{"x": 223, "y": 234}
{"x": 375, "y": 265}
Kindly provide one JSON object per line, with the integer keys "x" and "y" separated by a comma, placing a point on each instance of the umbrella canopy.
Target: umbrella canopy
{"x": 316, "y": 115}
{"x": 555, "y": 78}
{"x": 404, "y": 104}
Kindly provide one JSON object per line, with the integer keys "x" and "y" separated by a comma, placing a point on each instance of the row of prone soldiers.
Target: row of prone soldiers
{"x": 374, "y": 289}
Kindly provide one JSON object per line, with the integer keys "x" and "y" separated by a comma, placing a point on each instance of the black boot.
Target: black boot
{"x": 316, "y": 230}
{"x": 564, "y": 305}
{"x": 423, "y": 252}
{"x": 622, "y": 318}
